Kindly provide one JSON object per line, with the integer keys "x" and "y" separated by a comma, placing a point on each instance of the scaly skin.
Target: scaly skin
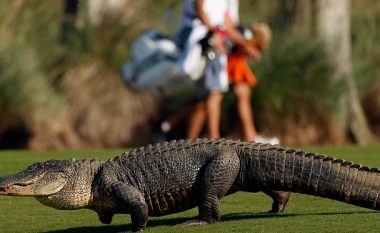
{"x": 175, "y": 176}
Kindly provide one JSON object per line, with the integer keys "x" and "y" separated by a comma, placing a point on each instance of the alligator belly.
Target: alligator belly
{"x": 171, "y": 201}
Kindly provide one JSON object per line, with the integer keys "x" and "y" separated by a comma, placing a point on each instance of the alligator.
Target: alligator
{"x": 175, "y": 176}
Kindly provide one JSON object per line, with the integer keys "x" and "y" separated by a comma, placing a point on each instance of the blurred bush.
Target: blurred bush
{"x": 365, "y": 43}
{"x": 25, "y": 92}
{"x": 36, "y": 69}
{"x": 295, "y": 98}
{"x": 70, "y": 94}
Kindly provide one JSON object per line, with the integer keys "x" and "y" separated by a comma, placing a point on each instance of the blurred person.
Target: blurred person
{"x": 220, "y": 18}
{"x": 70, "y": 14}
{"x": 243, "y": 80}
{"x": 185, "y": 43}
{"x": 187, "y": 17}
{"x": 190, "y": 32}
{"x": 215, "y": 22}
{"x": 199, "y": 17}
{"x": 191, "y": 63}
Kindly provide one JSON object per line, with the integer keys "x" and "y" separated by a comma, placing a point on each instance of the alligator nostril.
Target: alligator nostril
{"x": 4, "y": 189}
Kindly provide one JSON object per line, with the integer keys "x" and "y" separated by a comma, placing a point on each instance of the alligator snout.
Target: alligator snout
{"x": 6, "y": 190}
{"x": 3, "y": 190}
{"x": 4, "y": 186}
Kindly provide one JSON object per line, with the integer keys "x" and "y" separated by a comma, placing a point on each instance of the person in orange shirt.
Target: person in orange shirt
{"x": 243, "y": 79}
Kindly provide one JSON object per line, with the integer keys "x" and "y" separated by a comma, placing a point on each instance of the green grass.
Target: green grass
{"x": 241, "y": 212}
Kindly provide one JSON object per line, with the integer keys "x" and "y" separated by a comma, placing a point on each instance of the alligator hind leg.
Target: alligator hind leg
{"x": 280, "y": 199}
{"x": 134, "y": 202}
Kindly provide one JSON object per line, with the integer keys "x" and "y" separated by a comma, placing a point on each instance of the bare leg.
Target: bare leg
{"x": 213, "y": 109}
{"x": 197, "y": 120}
{"x": 243, "y": 95}
{"x": 176, "y": 118}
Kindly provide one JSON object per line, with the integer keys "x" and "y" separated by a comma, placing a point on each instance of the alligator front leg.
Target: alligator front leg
{"x": 105, "y": 217}
{"x": 134, "y": 202}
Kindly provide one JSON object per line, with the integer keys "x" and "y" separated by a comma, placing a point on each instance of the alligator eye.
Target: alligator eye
{"x": 34, "y": 166}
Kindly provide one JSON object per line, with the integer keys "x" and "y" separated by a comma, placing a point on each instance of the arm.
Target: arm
{"x": 239, "y": 40}
{"x": 217, "y": 41}
{"x": 202, "y": 15}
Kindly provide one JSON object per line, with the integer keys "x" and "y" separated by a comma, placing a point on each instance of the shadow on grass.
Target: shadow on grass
{"x": 120, "y": 228}
{"x": 174, "y": 221}
{"x": 242, "y": 216}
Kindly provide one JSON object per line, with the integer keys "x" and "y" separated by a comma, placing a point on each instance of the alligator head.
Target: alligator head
{"x": 40, "y": 179}
{"x": 62, "y": 184}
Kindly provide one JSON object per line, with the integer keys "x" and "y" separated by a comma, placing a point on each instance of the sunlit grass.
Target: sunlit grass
{"x": 241, "y": 212}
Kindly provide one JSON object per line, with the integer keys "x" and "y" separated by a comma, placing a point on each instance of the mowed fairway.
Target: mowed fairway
{"x": 241, "y": 212}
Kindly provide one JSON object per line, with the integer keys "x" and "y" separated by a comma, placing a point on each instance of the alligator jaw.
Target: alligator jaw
{"x": 6, "y": 189}
{"x": 29, "y": 184}
{"x": 15, "y": 190}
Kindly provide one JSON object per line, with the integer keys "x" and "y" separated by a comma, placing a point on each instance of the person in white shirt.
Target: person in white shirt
{"x": 202, "y": 17}
{"x": 221, "y": 18}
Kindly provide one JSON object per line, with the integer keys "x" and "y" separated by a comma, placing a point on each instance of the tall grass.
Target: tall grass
{"x": 294, "y": 77}
{"x": 295, "y": 90}
{"x": 365, "y": 43}
{"x": 25, "y": 54}
{"x": 25, "y": 92}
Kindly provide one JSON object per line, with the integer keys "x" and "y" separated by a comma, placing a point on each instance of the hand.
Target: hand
{"x": 217, "y": 42}
{"x": 253, "y": 53}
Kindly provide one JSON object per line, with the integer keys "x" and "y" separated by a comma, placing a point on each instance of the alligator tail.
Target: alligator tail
{"x": 292, "y": 170}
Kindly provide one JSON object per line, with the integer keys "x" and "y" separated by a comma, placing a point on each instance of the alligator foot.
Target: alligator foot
{"x": 280, "y": 199}
{"x": 283, "y": 199}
